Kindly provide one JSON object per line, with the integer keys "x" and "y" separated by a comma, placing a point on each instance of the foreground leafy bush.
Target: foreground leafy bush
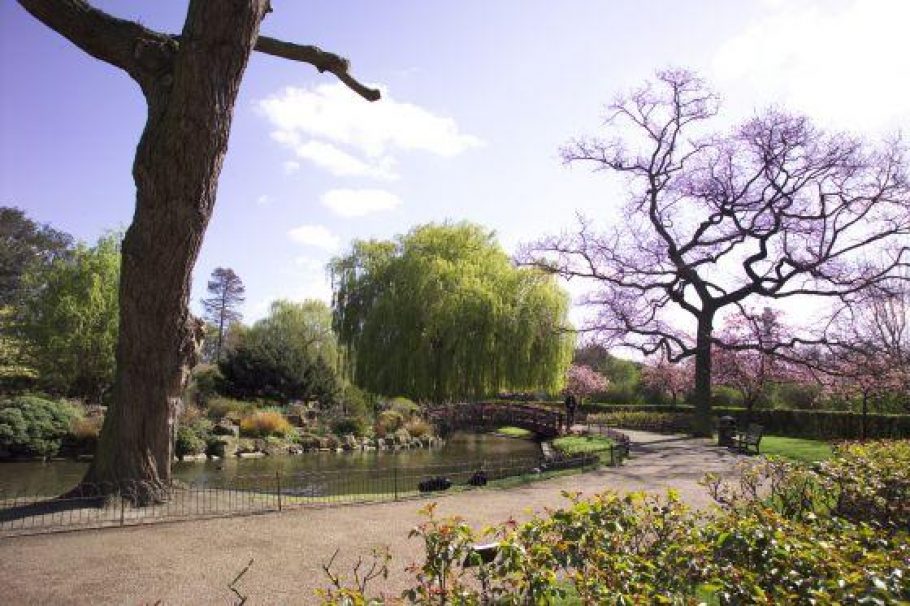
{"x": 31, "y": 426}
{"x": 779, "y": 536}
{"x": 870, "y": 482}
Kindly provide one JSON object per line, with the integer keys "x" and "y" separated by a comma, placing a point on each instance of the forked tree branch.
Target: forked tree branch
{"x": 112, "y": 40}
{"x": 145, "y": 53}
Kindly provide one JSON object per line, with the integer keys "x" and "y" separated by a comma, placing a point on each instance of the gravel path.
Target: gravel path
{"x": 193, "y": 562}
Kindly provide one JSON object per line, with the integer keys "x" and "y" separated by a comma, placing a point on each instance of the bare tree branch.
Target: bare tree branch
{"x": 322, "y": 60}
{"x": 122, "y": 43}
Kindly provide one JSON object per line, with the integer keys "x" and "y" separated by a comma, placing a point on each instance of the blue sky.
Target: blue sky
{"x": 479, "y": 96}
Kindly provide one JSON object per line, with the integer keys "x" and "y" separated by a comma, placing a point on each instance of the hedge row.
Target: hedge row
{"x": 822, "y": 424}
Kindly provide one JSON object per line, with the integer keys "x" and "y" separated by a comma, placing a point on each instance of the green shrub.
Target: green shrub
{"x": 721, "y": 395}
{"x": 403, "y": 406}
{"x": 309, "y": 441}
{"x": 388, "y": 421}
{"x": 32, "y": 426}
{"x": 235, "y": 410}
{"x": 357, "y": 402}
{"x": 187, "y": 442}
{"x": 204, "y": 383}
{"x": 196, "y": 437}
{"x": 780, "y": 537}
{"x": 870, "y": 481}
{"x": 345, "y": 425}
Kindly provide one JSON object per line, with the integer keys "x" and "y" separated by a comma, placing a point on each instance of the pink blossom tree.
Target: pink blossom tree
{"x": 753, "y": 370}
{"x": 582, "y": 382}
{"x": 669, "y": 379}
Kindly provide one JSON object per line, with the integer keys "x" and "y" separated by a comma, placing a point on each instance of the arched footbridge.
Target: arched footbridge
{"x": 485, "y": 415}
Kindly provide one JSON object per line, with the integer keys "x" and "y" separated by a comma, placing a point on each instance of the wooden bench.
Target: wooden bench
{"x": 749, "y": 439}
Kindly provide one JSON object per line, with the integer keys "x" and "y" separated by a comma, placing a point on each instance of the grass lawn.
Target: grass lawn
{"x": 514, "y": 432}
{"x": 578, "y": 445}
{"x": 798, "y": 449}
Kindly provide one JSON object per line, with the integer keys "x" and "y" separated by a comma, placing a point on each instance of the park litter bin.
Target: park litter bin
{"x": 726, "y": 431}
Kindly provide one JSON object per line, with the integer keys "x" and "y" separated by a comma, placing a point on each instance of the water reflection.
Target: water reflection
{"x": 461, "y": 451}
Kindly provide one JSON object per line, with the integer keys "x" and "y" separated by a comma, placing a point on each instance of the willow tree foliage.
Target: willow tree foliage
{"x": 441, "y": 313}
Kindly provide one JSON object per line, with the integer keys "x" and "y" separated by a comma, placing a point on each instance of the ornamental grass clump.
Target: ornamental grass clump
{"x": 265, "y": 423}
{"x": 418, "y": 428}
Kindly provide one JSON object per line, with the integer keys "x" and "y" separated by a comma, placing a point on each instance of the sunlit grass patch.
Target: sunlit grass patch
{"x": 514, "y": 432}
{"x": 798, "y": 449}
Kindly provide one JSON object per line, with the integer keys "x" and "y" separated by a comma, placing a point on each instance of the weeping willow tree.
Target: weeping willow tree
{"x": 441, "y": 313}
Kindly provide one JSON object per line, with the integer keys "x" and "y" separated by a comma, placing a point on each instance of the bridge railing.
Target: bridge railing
{"x": 485, "y": 414}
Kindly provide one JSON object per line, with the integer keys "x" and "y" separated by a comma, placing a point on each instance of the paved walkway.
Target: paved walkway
{"x": 193, "y": 562}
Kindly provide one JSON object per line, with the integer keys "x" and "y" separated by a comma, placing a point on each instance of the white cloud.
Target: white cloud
{"x": 844, "y": 64}
{"x": 359, "y": 202}
{"x": 305, "y": 278}
{"x": 263, "y": 200}
{"x": 337, "y": 161}
{"x": 290, "y": 166}
{"x": 317, "y": 236}
{"x": 316, "y": 123}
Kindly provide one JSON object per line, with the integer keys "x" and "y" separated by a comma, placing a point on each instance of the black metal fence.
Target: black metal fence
{"x": 241, "y": 495}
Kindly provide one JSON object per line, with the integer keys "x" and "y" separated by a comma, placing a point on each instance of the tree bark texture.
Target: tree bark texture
{"x": 178, "y": 162}
{"x": 703, "y": 423}
{"x": 190, "y": 82}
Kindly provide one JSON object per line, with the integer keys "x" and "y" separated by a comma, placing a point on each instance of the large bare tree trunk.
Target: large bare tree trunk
{"x": 703, "y": 423}
{"x": 191, "y": 83}
{"x": 176, "y": 171}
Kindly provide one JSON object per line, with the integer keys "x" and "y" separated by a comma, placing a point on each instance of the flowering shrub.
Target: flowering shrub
{"x": 779, "y": 536}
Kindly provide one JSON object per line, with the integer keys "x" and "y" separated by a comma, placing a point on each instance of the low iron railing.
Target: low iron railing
{"x": 242, "y": 495}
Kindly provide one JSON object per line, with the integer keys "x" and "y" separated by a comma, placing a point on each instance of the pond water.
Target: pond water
{"x": 462, "y": 452}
